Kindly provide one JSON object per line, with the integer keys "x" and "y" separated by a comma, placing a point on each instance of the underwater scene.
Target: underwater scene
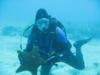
{"x": 49, "y": 37}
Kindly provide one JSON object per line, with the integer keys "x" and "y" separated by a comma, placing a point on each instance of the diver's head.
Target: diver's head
{"x": 41, "y": 13}
{"x": 43, "y": 24}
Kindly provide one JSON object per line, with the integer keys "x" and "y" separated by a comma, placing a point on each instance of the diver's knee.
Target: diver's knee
{"x": 81, "y": 67}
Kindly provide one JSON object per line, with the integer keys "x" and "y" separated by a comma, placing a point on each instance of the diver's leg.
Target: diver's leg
{"x": 78, "y": 45}
{"x": 45, "y": 69}
{"x": 75, "y": 61}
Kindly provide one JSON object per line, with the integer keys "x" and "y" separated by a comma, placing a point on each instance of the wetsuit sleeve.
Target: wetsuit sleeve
{"x": 61, "y": 37}
{"x": 64, "y": 44}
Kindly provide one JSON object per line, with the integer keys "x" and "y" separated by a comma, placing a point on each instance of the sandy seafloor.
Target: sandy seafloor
{"x": 9, "y": 60}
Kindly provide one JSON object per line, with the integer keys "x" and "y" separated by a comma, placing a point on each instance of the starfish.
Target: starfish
{"x": 29, "y": 61}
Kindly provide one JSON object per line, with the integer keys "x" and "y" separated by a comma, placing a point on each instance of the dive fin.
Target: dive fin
{"x": 80, "y": 43}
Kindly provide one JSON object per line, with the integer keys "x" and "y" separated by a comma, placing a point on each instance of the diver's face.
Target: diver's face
{"x": 43, "y": 24}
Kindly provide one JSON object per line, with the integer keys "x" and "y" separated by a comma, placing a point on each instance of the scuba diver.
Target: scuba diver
{"x": 49, "y": 35}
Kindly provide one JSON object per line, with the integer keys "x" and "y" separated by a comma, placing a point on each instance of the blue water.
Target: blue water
{"x": 81, "y": 19}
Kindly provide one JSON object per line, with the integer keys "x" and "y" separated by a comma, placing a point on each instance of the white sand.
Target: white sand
{"x": 9, "y": 61}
